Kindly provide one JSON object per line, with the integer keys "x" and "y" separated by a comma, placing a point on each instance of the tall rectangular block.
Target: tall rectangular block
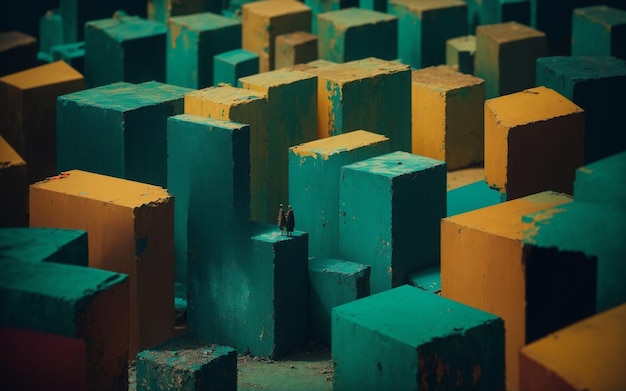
{"x": 13, "y": 178}
{"x": 18, "y": 51}
{"x": 408, "y": 339}
{"x": 229, "y": 66}
{"x": 314, "y": 180}
{"x": 321, "y": 6}
{"x": 294, "y": 48}
{"x": 50, "y": 34}
{"x": 482, "y": 12}
{"x": 130, "y": 229}
{"x": 67, "y": 246}
{"x": 599, "y": 31}
{"x": 603, "y": 182}
{"x": 460, "y": 53}
{"x": 389, "y": 211}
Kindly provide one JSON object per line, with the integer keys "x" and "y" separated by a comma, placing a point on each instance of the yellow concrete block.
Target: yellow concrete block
{"x": 447, "y": 116}
{"x": 130, "y": 227}
{"x": 14, "y": 185}
{"x": 534, "y": 141}
{"x": 294, "y": 48}
{"x": 588, "y": 355}
{"x": 263, "y": 21}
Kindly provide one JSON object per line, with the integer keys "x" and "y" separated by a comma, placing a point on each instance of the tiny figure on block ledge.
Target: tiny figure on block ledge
{"x": 281, "y": 219}
{"x": 290, "y": 220}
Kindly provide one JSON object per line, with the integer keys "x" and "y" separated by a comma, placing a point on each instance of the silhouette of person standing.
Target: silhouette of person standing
{"x": 290, "y": 220}
{"x": 281, "y": 219}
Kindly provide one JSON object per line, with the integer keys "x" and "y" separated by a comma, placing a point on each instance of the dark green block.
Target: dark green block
{"x": 44, "y": 245}
{"x": 471, "y": 197}
{"x": 229, "y": 66}
{"x": 427, "y": 279}
{"x": 603, "y": 182}
{"x": 481, "y": 12}
{"x": 50, "y": 34}
{"x": 599, "y": 31}
{"x": 71, "y": 53}
{"x": 321, "y": 6}
{"x": 162, "y": 10}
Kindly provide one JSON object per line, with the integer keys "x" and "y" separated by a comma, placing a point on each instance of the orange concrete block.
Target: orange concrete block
{"x": 447, "y": 116}
{"x": 534, "y": 141}
{"x": 263, "y": 21}
{"x": 588, "y": 355}
{"x": 483, "y": 266}
{"x": 14, "y": 185}
{"x": 130, "y": 230}
{"x": 28, "y": 113}
{"x": 295, "y": 48}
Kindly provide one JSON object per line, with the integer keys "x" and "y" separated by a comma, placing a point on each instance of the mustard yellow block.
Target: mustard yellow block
{"x": 130, "y": 230}
{"x": 263, "y": 21}
{"x": 14, "y": 194}
{"x": 534, "y": 141}
{"x": 588, "y": 355}
{"x": 299, "y": 47}
{"x": 447, "y": 117}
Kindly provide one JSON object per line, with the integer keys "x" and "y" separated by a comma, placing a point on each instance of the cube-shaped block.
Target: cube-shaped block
{"x": 599, "y": 31}
{"x": 67, "y": 246}
{"x": 602, "y": 182}
{"x": 130, "y": 230}
{"x": 333, "y": 282}
{"x": 355, "y": 33}
{"x": 71, "y": 53}
{"x": 193, "y": 42}
{"x": 229, "y": 66}
{"x": 470, "y": 197}
{"x": 295, "y": 48}
{"x": 183, "y": 364}
{"x": 534, "y": 141}
{"x": 163, "y": 10}
{"x": 13, "y": 178}
{"x": 425, "y": 26}
{"x": 460, "y": 53}
{"x": 408, "y": 339}
{"x": 427, "y": 279}
{"x": 481, "y": 12}
{"x": 18, "y": 51}
{"x": 321, "y": 6}
{"x": 387, "y": 220}
{"x": 447, "y": 116}
{"x": 483, "y": 265}
{"x": 505, "y": 57}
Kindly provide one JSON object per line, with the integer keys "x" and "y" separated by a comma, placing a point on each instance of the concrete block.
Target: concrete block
{"x": 470, "y": 197}
{"x": 405, "y": 338}
{"x": 18, "y": 52}
{"x": 386, "y": 220}
{"x": 603, "y": 182}
{"x": 229, "y": 66}
{"x": 594, "y": 83}
{"x": 183, "y": 364}
{"x": 67, "y": 246}
{"x": 124, "y": 48}
{"x": 130, "y": 229}
{"x": 71, "y": 53}
{"x": 118, "y": 130}
{"x": 295, "y": 48}
{"x": 427, "y": 279}
{"x": 162, "y": 10}
{"x": 292, "y": 119}
{"x": 370, "y": 94}
{"x": 314, "y": 178}
{"x": 13, "y": 176}
{"x": 482, "y": 12}
{"x": 599, "y": 31}
{"x": 582, "y": 230}
{"x": 524, "y": 132}
{"x": 483, "y": 265}
{"x": 460, "y": 53}
{"x": 447, "y": 116}
{"x": 263, "y": 21}
{"x": 50, "y": 34}
{"x": 505, "y": 57}
{"x": 72, "y": 301}
{"x": 322, "y": 6}
{"x": 333, "y": 282}
{"x": 374, "y": 5}
{"x": 425, "y": 26}
{"x": 560, "y": 361}
{"x": 193, "y": 41}
{"x": 28, "y": 113}
{"x": 355, "y": 33}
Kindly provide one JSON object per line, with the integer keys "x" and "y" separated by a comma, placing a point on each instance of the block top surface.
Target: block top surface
{"x": 296, "y": 37}
{"x": 44, "y": 75}
{"x": 226, "y": 95}
{"x": 508, "y": 32}
{"x": 8, "y": 156}
{"x": 35, "y": 244}
{"x": 324, "y": 265}
{"x": 413, "y": 316}
{"x": 124, "y": 28}
{"x": 603, "y": 334}
{"x": 205, "y": 21}
{"x": 236, "y": 56}
{"x": 358, "y": 70}
{"x": 349, "y": 17}
{"x": 272, "y": 8}
{"x": 612, "y": 168}
{"x": 161, "y": 92}
{"x": 184, "y": 354}
{"x": 443, "y": 78}
{"x": 584, "y": 67}
{"x": 428, "y": 5}
{"x": 13, "y": 39}
{"x": 334, "y": 145}
{"x": 104, "y": 188}
{"x": 465, "y": 43}
{"x": 607, "y": 16}
{"x": 529, "y": 106}
{"x": 208, "y": 122}
{"x": 395, "y": 164}
{"x": 505, "y": 219}
{"x": 264, "y": 81}
{"x": 271, "y": 234}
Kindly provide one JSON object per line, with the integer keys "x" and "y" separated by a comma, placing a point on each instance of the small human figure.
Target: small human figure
{"x": 281, "y": 219}
{"x": 290, "y": 220}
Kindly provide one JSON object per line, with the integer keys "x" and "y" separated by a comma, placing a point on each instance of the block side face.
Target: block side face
{"x": 496, "y": 150}
{"x": 465, "y": 127}
{"x": 428, "y": 122}
{"x": 145, "y": 59}
{"x": 105, "y": 65}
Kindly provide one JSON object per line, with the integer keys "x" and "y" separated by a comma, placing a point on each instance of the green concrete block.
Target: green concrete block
{"x": 355, "y": 33}
{"x": 229, "y": 66}
{"x": 76, "y": 13}
{"x": 425, "y": 26}
{"x": 124, "y": 48}
{"x": 183, "y": 364}
{"x": 118, "y": 130}
{"x": 460, "y": 53}
{"x": 50, "y": 34}
{"x": 471, "y": 197}
{"x": 408, "y": 339}
{"x": 599, "y": 31}
{"x": 480, "y": 12}
{"x": 193, "y": 41}
{"x": 71, "y": 53}
{"x": 386, "y": 220}
{"x": 596, "y": 84}
{"x": 427, "y": 279}
{"x": 67, "y": 246}
{"x": 163, "y": 10}
{"x": 575, "y": 231}
{"x": 603, "y": 182}
{"x": 333, "y": 282}
{"x": 322, "y": 6}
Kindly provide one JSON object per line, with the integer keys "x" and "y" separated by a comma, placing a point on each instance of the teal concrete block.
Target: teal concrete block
{"x": 163, "y": 10}
{"x": 355, "y": 33}
{"x": 124, "y": 48}
{"x": 44, "y": 245}
{"x": 603, "y": 182}
{"x": 193, "y": 41}
{"x": 408, "y": 339}
{"x": 229, "y": 66}
{"x": 481, "y": 12}
{"x": 314, "y": 177}
{"x": 471, "y": 197}
{"x": 71, "y": 53}
{"x": 322, "y": 6}
{"x": 50, "y": 34}
{"x": 118, "y": 130}
{"x": 427, "y": 279}
{"x": 387, "y": 220}
{"x": 333, "y": 282}
{"x": 460, "y": 52}
{"x": 575, "y": 231}
{"x": 374, "y": 5}
{"x": 424, "y": 28}
{"x": 204, "y": 155}
{"x": 599, "y": 31}
{"x": 76, "y": 13}
{"x": 596, "y": 84}
{"x": 183, "y": 364}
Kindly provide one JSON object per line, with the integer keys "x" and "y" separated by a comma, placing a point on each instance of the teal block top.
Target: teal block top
{"x": 339, "y": 266}
{"x": 160, "y": 92}
{"x": 201, "y": 22}
{"x": 575, "y": 69}
{"x": 428, "y": 279}
{"x": 351, "y": 17}
{"x": 603, "y": 182}
{"x": 471, "y": 197}
{"x": 126, "y": 28}
{"x": 271, "y": 234}
{"x": 209, "y": 122}
{"x": 395, "y": 164}
{"x": 184, "y": 354}
{"x": 236, "y": 56}
{"x": 607, "y": 16}
{"x": 412, "y": 316}
{"x": 44, "y": 245}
